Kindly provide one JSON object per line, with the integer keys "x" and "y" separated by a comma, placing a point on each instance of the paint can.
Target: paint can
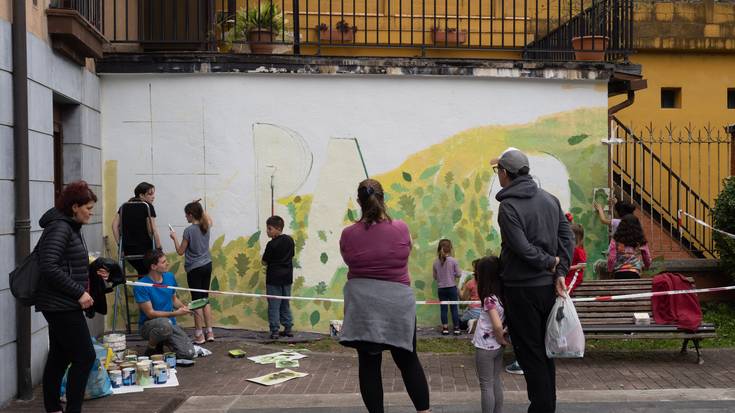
{"x": 170, "y": 359}
{"x": 115, "y": 341}
{"x": 143, "y": 358}
{"x": 144, "y": 373}
{"x": 128, "y": 376}
{"x": 116, "y": 378}
{"x": 157, "y": 357}
{"x": 160, "y": 373}
{"x": 131, "y": 358}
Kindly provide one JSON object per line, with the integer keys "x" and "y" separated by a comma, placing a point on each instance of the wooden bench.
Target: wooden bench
{"x": 612, "y": 320}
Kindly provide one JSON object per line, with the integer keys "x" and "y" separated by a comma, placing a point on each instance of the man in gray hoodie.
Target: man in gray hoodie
{"x": 536, "y": 251}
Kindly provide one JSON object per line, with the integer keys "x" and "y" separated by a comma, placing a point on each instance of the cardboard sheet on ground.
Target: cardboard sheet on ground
{"x": 172, "y": 381}
{"x": 275, "y": 357}
{"x": 282, "y": 364}
{"x": 278, "y": 377}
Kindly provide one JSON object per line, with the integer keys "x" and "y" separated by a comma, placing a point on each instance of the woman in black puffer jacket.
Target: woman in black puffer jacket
{"x": 62, "y": 295}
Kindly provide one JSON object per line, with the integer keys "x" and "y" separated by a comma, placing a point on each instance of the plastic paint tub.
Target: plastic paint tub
{"x": 157, "y": 357}
{"x": 144, "y": 373}
{"x": 115, "y": 341}
{"x": 128, "y": 376}
{"x": 116, "y": 378}
{"x": 170, "y": 359}
{"x": 160, "y": 373}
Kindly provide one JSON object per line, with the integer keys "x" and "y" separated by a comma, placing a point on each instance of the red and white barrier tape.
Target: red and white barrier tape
{"x": 435, "y": 302}
{"x": 702, "y": 223}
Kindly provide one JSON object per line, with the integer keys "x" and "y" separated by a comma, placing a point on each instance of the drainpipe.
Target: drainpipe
{"x": 22, "y": 192}
{"x": 610, "y": 113}
{"x": 622, "y": 105}
{"x": 731, "y": 130}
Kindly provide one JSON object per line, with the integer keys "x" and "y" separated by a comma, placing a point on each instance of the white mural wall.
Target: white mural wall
{"x": 297, "y": 145}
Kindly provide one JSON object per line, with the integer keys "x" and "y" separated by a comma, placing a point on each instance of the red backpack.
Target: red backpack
{"x": 683, "y": 310}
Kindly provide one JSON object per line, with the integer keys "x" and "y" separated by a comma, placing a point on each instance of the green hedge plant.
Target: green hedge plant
{"x": 723, "y": 218}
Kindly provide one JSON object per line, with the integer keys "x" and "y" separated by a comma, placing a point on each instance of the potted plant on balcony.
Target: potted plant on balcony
{"x": 590, "y": 48}
{"x": 342, "y": 32}
{"x": 450, "y": 35}
{"x": 260, "y": 26}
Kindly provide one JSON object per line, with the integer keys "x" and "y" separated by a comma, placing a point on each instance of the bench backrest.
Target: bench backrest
{"x": 613, "y": 312}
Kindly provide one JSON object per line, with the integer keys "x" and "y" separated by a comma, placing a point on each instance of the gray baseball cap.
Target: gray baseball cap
{"x": 512, "y": 160}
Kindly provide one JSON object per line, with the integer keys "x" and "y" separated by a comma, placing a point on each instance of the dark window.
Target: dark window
{"x": 58, "y": 150}
{"x": 731, "y": 98}
{"x": 670, "y": 97}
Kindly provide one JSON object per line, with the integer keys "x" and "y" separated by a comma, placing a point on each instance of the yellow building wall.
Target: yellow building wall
{"x": 690, "y": 140}
{"x": 703, "y": 79}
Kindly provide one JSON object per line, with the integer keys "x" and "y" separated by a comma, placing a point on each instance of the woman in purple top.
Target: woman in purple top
{"x": 380, "y": 306}
{"x": 446, "y": 272}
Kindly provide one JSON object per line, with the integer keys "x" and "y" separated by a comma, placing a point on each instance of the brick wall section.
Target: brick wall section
{"x": 659, "y": 241}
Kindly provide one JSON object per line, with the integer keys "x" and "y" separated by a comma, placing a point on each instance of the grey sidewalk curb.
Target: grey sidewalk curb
{"x": 213, "y": 404}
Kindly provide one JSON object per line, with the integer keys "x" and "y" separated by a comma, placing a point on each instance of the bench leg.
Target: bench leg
{"x": 696, "y": 341}
{"x": 684, "y": 346}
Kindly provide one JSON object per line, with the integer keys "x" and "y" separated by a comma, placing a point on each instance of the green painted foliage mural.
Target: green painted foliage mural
{"x": 440, "y": 192}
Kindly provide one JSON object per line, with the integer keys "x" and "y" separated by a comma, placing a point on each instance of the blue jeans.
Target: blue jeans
{"x": 279, "y": 311}
{"x": 449, "y": 294}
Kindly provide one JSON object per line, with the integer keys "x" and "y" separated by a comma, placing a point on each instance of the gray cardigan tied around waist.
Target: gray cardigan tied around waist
{"x": 378, "y": 311}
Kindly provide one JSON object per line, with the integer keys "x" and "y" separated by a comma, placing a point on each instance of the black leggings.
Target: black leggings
{"x": 371, "y": 380}
{"x": 69, "y": 342}
{"x": 199, "y": 278}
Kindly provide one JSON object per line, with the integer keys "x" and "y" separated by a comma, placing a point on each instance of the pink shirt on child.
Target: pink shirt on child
{"x": 380, "y": 251}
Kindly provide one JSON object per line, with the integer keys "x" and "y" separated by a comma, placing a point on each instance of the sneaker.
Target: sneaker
{"x": 275, "y": 336}
{"x": 445, "y": 332}
{"x": 210, "y": 336}
{"x": 199, "y": 340}
{"x": 514, "y": 368}
{"x": 286, "y": 333}
{"x": 185, "y": 362}
{"x": 457, "y": 331}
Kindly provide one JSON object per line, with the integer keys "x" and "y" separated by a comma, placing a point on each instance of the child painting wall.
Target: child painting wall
{"x": 252, "y": 146}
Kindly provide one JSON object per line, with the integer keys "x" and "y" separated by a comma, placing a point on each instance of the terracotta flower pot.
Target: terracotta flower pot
{"x": 590, "y": 48}
{"x": 260, "y": 41}
{"x": 449, "y": 37}
{"x": 335, "y": 35}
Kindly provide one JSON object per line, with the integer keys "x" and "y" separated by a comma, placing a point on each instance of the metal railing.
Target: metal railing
{"x": 667, "y": 170}
{"x": 90, "y": 10}
{"x": 606, "y": 25}
{"x": 224, "y": 25}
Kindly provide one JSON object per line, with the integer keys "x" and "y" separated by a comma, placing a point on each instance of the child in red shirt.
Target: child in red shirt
{"x": 579, "y": 261}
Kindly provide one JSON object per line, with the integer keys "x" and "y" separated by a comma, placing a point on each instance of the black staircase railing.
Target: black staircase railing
{"x": 672, "y": 171}
{"x": 605, "y": 26}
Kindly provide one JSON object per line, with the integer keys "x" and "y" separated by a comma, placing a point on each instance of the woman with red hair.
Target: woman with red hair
{"x": 62, "y": 295}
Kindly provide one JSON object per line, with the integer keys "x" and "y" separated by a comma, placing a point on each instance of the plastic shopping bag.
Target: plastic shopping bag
{"x": 98, "y": 383}
{"x": 564, "y": 336}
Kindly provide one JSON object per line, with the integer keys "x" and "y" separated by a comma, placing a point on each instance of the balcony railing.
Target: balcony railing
{"x": 606, "y": 25}
{"x": 90, "y": 10}
{"x": 309, "y": 26}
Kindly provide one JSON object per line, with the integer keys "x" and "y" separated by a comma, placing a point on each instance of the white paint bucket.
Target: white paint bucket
{"x": 115, "y": 341}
